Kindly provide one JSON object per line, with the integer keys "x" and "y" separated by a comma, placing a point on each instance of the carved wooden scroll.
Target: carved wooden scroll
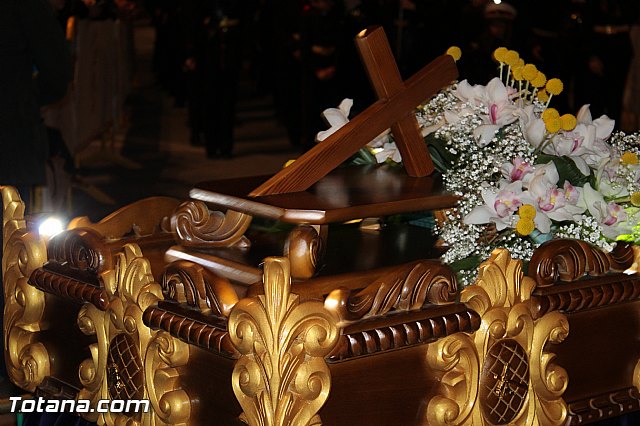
{"x": 570, "y": 260}
{"x": 503, "y": 373}
{"x": 190, "y": 283}
{"x": 406, "y": 288}
{"x": 75, "y": 260}
{"x": 196, "y": 307}
{"x": 304, "y": 248}
{"x": 196, "y": 226}
{"x": 281, "y": 377}
{"x": 27, "y": 359}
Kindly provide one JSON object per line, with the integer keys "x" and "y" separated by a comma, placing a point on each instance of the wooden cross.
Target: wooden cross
{"x": 395, "y": 107}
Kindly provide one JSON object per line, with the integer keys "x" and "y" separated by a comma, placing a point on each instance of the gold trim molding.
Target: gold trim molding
{"x": 27, "y": 359}
{"x": 281, "y": 377}
{"x": 477, "y": 378}
{"x": 131, "y": 289}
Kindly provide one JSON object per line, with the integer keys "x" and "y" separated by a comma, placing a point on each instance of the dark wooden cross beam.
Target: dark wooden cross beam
{"x": 395, "y": 107}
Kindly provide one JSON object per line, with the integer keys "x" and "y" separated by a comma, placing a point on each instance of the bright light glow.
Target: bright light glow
{"x": 330, "y": 303}
{"x": 50, "y": 227}
{"x": 497, "y": 1}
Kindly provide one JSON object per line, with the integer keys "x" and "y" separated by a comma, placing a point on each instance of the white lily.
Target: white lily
{"x": 552, "y": 202}
{"x": 338, "y": 117}
{"x": 611, "y": 216}
{"x": 500, "y": 206}
{"x": 585, "y": 144}
{"x": 532, "y": 126}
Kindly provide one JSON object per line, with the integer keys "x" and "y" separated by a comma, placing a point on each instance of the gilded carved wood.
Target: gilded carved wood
{"x": 129, "y": 360}
{"x": 23, "y": 252}
{"x": 281, "y": 377}
{"x": 503, "y": 373}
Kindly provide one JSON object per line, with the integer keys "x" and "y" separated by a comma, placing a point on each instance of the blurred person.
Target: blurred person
{"x": 607, "y": 53}
{"x": 35, "y": 71}
{"x": 213, "y": 48}
{"x": 320, "y": 46}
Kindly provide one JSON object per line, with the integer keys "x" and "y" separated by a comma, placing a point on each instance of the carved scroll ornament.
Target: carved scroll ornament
{"x": 503, "y": 373}
{"x": 129, "y": 360}
{"x": 281, "y": 377}
{"x": 304, "y": 248}
{"x": 190, "y": 283}
{"x": 196, "y": 226}
{"x": 23, "y": 252}
{"x": 407, "y": 288}
{"x": 569, "y": 260}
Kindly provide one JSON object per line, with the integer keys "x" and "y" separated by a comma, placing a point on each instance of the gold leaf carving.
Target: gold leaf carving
{"x": 281, "y": 377}
{"x": 131, "y": 289}
{"x": 27, "y": 359}
{"x": 170, "y": 402}
{"x": 196, "y": 226}
{"x": 505, "y": 360}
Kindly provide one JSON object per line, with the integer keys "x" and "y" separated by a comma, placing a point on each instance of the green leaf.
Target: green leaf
{"x": 362, "y": 157}
{"x": 567, "y": 170}
{"x": 466, "y": 264}
{"x": 442, "y": 158}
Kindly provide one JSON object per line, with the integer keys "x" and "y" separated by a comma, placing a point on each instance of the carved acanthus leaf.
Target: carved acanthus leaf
{"x": 281, "y": 377}
{"x": 508, "y": 356}
{"x": 26, "y": 358}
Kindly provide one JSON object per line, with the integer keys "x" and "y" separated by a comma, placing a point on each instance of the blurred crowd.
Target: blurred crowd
{"x": 302, "y": 52}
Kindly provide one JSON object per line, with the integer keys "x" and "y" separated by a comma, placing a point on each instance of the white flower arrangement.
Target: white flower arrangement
{"x": 525, "y": 174}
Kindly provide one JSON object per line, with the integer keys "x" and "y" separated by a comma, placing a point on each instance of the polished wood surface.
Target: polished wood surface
{"x": 392, "y": 109}
{"x": 349, "y": 250}
{"x": 345, "y": 194}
